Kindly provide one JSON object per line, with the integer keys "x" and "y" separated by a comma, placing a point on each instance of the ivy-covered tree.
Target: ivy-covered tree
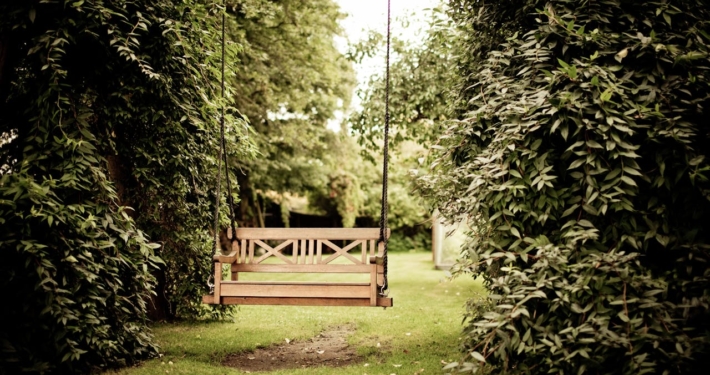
{"x": 581, "y": 160}
{"x": 108, "y": 131}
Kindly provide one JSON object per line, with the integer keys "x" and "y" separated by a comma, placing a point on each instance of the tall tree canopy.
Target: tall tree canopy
{"x": 580, "y": 158}
{"x": 295, "y": 81}
{"x": 421, "y": 77}
{"x": 103, "y": 105}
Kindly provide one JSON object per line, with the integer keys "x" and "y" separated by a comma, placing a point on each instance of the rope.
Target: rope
{"x": 385, "y": 163}
{"x": 216, "y": 209}
{"x": 230, "y": 198}
{"x": 222, "y": 157}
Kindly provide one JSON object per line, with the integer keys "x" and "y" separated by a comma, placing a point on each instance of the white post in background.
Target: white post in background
{"x": 438, "y": 234}
{"x": 435, "y": 233}
{"x": 446, "y": 241}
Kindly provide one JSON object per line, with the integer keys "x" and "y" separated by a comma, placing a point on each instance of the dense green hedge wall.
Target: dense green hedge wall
{"x": 103, "y": 105}
{"x": 581, "y": 158}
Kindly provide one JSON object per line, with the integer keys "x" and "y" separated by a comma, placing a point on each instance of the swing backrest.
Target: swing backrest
{"x": 307, "y": 250}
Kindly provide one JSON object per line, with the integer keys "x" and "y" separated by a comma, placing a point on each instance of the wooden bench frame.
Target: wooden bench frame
{"x": 307, "y": 257}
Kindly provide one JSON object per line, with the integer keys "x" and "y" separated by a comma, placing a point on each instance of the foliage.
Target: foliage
{"x": 401, "y": 241}
{"x": 105, "y": 105}
{"x": 420, "y": 77}
{"x": 354, "y": 189}
{"x": 345, "y": 190}
{"x": 295, "y": 82}
{"x": 581, "y": 160}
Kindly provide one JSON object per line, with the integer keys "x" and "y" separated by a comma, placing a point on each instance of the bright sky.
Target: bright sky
{"x": 364, "y": 15}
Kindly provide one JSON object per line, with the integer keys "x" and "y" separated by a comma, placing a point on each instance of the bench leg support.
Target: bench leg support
{"x": 373, "y": 285}
{"x": 217, "y": 282}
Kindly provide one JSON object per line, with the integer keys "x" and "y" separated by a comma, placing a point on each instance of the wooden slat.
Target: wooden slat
{"x": 306, "y": 268}
{"x": 235, "y": 272}
{"x": 295, "y": 252}
{"x": 319, "y": 251}
{"x": 309, "y": 233}
{"x": 304, "y": 251}
{"x": 275, "y": 251}
{"x": 235, "y": 246}
{"x": 251, "y": 251}
{"x": 310, "y": 251}
{"x": 300, "y": 283}
{"x": 298, "y": 250}
{"x": 288, "y": 301}
{"x": 363, "y": 257}
{"x": 341, "y": 251}
{"x": 373, "y": 286}
{"x": 244, "y": 289}
{"x": 372, "y": 247}
{"x": 244, "y": 251}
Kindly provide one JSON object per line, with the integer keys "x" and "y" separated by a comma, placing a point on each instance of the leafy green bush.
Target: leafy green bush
{"x": 103, "y": 105}
{"x": 581, "y": 158}
{"x": 401, "y": 241}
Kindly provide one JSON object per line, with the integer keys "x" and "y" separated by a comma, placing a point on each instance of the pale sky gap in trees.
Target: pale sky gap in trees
{"x": 364, "y": 15}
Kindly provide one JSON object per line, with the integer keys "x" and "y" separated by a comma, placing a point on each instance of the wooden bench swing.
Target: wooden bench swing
{"x": 253, "y": 249}
{"x": 307, "y": 247}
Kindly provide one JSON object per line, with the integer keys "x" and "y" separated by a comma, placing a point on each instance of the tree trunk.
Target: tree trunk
{"x": 120, "y": 175}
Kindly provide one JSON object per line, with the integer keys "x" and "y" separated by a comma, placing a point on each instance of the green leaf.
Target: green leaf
{"x": 612, "y": 174}
{"x": 477, "y": 356}
{"x": 628, "y": 180}
{"x": 576, "y": 163}
{"x": 569, "y": 211}
{"x": 632, "y": 171}
{"x": 606, "y": 95}
{"x": 667, "y": 18}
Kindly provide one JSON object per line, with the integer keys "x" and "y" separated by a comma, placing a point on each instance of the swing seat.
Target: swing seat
{"x": 312, "y": 251}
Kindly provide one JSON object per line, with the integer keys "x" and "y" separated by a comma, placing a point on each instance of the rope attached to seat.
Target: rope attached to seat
{"x": 223, "y": 158}
{"x": 385, "y": 163}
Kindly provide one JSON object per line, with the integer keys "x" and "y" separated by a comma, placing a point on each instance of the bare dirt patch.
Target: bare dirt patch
{"x": 330, "y": 348}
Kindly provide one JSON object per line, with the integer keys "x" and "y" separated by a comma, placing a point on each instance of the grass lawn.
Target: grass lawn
{"x": 419, "y": 332}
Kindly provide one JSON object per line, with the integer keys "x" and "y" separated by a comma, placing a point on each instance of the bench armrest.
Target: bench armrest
{"x": 229, "y": 258}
